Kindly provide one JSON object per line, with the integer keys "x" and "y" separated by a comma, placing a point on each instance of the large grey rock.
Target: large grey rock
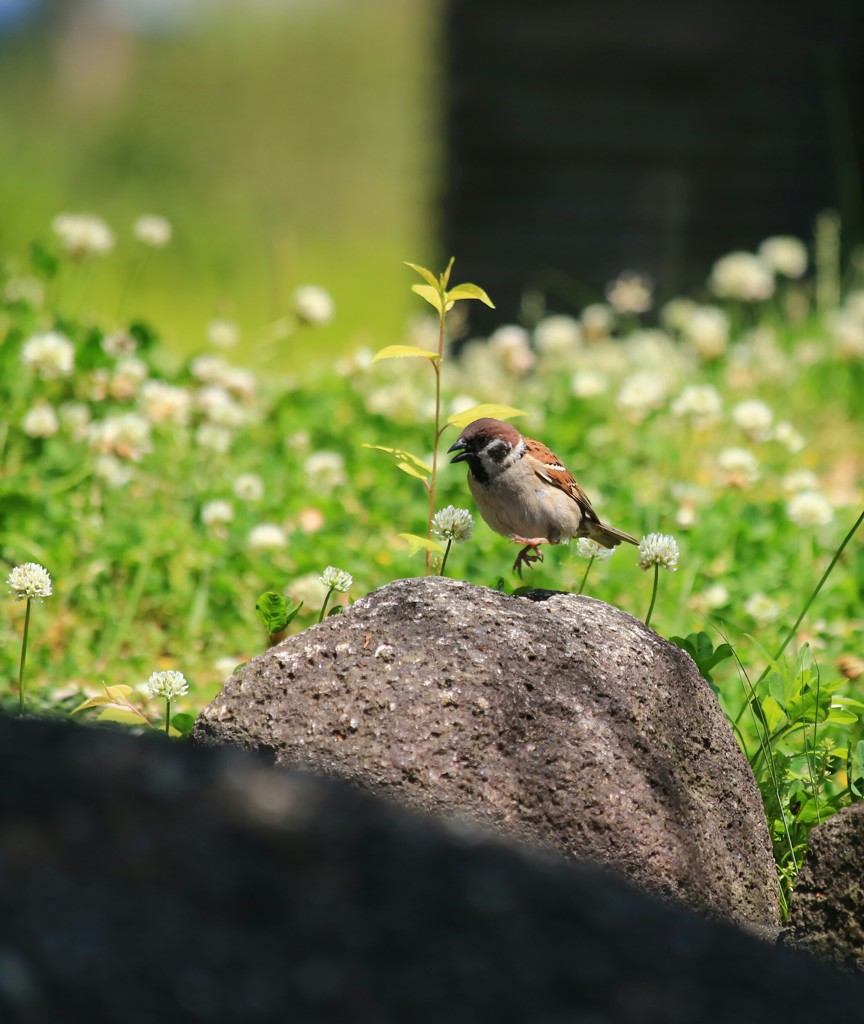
{"x": 826, "y": 913}
{"x": 559, "y": 720}
{"x": 145, "y": 881}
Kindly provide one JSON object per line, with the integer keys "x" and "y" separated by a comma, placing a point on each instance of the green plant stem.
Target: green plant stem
{"x": 446, "y": 553}
{"x": 436, "y": 366}
{"x": 324, "y": 606}
{"x": 585, "y": 575}
{"x": 23, "y": 659}
{"x": 653, "y": 595}
{"x": 167, "y": 717}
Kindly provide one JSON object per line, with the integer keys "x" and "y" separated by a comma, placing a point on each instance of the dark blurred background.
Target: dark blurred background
{"x": 547, "y": 145}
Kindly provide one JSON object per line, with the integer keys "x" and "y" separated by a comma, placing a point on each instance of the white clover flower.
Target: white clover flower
{"x": 40, "y": 421}
{"x": 658, "y": 549}
{"x": 743, "y": 276}
{"x": 119, "y": 344}
{"x": 715, "y": 596}
{"x": 461, "y": 403}
{"x": 809, "y": 508}
{"x": 240, "y": 382}
{"x": 217, "y": 512}
{"x": 800, "y": 480}
{"x": 168, "y": 685}
{"x": 676, "y": 313}
{"x": 127, "y": 377}
{"x": 325, "y": 471}
{"x": 83, "y": 234}
{"x": 640, "y": 393}
{"x": 739, "y": 466}
{"x": 847, "y": 333}
{"x": 309, "y": 589}
{"x": 453, "y": 524}
{"x": 336, "y": 579}
{"x": 153, "y": 230}
{"x": 249, "y": 487}
{"x": 398, "y": 401}
{"x": 589, "y": 383}
{"x": 597, "y": 321}
{"x": 165, "y": 403}
{"x": 222, "y": 332}
{"x": 220, "y": 407}
{"x": 126, "y": 435}
{"x": 557, "y": 335}
{"x": 630, "y": 293}
{"x": 785, "y": 255}
{"x": 313, "y": 305}
{"x": 762, "y": 608}
{"x": 707, "y": 330}
{"x": 215, "y": 437}
{"x": 267, "y": 537}
{"x": 510, "y": 344}
{"x": 587, "y": 548}
{"x": 75, "y": 417}
{"x": 701, "y": 402}
{"x": 209, "y": 369}
{"x": 788, "y": 436}
{"x": 754, "y": 417}
{"x": 49, "y": 356}
{"x": 29, "y": 582}
{"x": 112, "y": 470}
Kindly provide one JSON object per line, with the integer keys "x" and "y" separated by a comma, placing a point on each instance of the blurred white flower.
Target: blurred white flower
{"x": 739, "y": 466}
{"x": 127, "y": 377}
{"x": 126, "y": 435}
{"x": 249, "y": 487}
{"x": 313, "y": 305}
{"x": 800, "y": 480}
{"x": 168, "y": 685}
{"x": 453, "y": 524}
{"x": 120, "y": 343}
{"x": 707, "y": 330}
{"x": 325, "y": 471}
{"x": 267, "y": 537}
{"x": 336, "y": 579}
{"x": 587, "y": 548}
{"x": 658, "y": 549}
{"x": 630, "y": 293}
{"x": 309, "y": 589}
{"x": 702, "y": 403}
{"x": 83, "y": 234}
{"x": 847, "y": 333}
{"x": 217, "y": 512}
{"x": 24, "y": 289}
{"x": 809, "y": 508}
{"x": 209, "y": 369}
{"x": 240, "y": 382}
{"x": 165, "y": 403}
{"x": 785, "y": 255}
{"x": 589, "y": 383}
{"x": 152, "y": 230}
{"x": 557, "y": 335}
{"x": 597, "y": 321}
{"x": 762, "y": 608}
{"x": 113, "y": 471}
{"x": 511, "y": 347}
{"x": 676, "y": 313}
{"x": 219, "y": 407}
{"x": 40, "y": 421}
{"x": 715, "y": 596}
{"x": 742, "y": 275}
{"x": 754, "y": 417}
{"x": 640, "y": 393}
{"x": 222, "y": 332}
{"x": 49, "y": 355}
{"x": 215, "y": 437}
{"x": 788, "y": 436}
{"x": 29, "y": 582}
{"x": 75, "y": 417}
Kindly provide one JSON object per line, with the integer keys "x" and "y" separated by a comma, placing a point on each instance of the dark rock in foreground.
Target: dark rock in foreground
{"x": 558, "y": 719}
{"x": 826, "y": 913}
{"x": 144, "y": 881}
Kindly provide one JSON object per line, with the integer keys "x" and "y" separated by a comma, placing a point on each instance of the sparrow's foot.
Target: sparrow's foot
{"x": 529, "y": 554}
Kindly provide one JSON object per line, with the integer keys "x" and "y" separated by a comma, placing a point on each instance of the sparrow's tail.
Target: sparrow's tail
{"x": 608, "y": 536}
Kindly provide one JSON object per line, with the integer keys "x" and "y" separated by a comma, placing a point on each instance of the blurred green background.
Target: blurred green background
{"x": 289, "y": 143}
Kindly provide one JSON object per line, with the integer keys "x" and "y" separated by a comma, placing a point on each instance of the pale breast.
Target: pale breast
{"x": 518, "y": 504}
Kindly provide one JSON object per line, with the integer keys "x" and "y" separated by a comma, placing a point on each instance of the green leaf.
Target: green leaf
{"x": 275, "y": 612}
{"x": 405, "y": 352}
{"x": 445, "y": 276}
{"x": 183, "y": 722}
{"x": 112, "y": 695}
{"x": 469, "y": 291}
{"x": 123, "y": 715}
{"x": 407, "y": 462}
{"x": 476, "y": 412}
{"x": 702, "y": 651}
{"x": 427, "y": 275}
{"x": 416, "y": 544}
{"x": 430, "y": 294}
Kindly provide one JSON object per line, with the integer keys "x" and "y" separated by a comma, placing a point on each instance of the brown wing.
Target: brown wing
{"x": 549, "y": 468}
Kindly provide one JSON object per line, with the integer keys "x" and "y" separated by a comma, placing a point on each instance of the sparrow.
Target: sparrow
{"x": 524, "y": 492}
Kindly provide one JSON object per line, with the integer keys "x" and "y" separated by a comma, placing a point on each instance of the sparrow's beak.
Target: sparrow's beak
{"x": 459, "y": 447}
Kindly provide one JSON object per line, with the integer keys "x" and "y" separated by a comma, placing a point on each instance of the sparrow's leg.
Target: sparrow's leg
{"x": 529, "y": 554}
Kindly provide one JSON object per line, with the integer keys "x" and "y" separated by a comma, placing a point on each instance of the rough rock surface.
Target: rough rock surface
{"x": 826, "y": 913}
{"x": 557, "y": 719}
{"x": 146, "y": 881}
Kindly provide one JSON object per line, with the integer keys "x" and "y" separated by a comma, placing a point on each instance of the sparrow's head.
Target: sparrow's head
{"x": 488, "y": 446}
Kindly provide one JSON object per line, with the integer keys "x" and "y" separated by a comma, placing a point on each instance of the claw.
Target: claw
{"x": 530, "y": 554}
